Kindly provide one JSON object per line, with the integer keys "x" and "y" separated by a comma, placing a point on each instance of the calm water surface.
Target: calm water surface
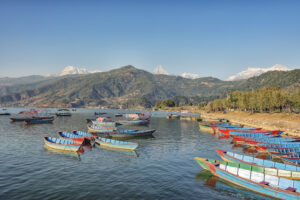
{"x": 163, "y": 167}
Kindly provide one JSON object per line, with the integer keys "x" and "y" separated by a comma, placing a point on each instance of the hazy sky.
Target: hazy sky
{"x": 209, "y": 38}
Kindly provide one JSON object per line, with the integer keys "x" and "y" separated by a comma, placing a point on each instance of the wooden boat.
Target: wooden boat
{"x": 131, "y": 133}
{"x": 136, "y": 116}
{"x": 285, "y": 145}
{"x": 269, "y": 167}
{"x": 134, "y": 122}
{"x": 294, "y": 158}
{"x": 116, "y": 144}
{"x": 63, "y": 113}
{"x": 173, "y": 116}
{"x": 22, "y": 119}
{"x": 62, "y": 144}
{"x": 83, "y": 134}
{"x": 284, "y": 151}
{"x": 241, "y": 132}
{"x": 100, "y": 129}
{"x": 235, "y": 157}
{"x": 252, "y": 178}
{"x": 268, "y": 139}
{"x": 105, "y": 121}
{"x": 4, "y": 112}
{"x": 76, "y": 138}
{"x": 39, "y": 121}
{"x": 100, "y": 113}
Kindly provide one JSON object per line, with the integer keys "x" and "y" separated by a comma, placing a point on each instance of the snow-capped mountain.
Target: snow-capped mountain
{"x": 160, "y": 70}
{"x": 250, "y": 72}
{"x": 189, "y": 75}
{"x": 70, "y": 70}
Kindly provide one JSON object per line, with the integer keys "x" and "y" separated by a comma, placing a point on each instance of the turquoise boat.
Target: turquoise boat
{"x": 252, "y": 178}
{"x": 62, "y": 144}
{"x": 100, "y": 129}
{"x": 116, "y": 144}
{"x": 76, "y": 138}
{"x": 268, "y": 166}
{"x": 105, "y": 121}
{"x": 239, "y": 158}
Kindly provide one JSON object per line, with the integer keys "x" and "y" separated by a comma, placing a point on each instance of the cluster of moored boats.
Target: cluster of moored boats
{"x": 274, "y": 171}
{"x": 101, "y": 131}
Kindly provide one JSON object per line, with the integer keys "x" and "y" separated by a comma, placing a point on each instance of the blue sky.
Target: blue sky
{"x": 209, "y": 38}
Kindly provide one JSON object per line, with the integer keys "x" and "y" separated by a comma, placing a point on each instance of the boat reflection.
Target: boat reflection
{"x": 229, "y": 188}
{"x": 67, "y": 153}
{"x": 126, "y": 152}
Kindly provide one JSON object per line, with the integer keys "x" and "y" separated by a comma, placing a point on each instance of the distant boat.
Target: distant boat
{"x": 63, "y": 112}
{"x": 134, "y": 122}
{"x": 100, "y": 113}
{"x": 39, "y": 121}
{"x": 62, "y": 144}
{"x": 4, "y": 112}
{"x": 30, "y": 115}
{"x": 100, "y": 129}
{"x": 131, "y": 133}
{"x": 116, "y": 144}
{"x": 105, "y": 121}
{"x": 173, "y": 116}
{"x": 118, "y": 115}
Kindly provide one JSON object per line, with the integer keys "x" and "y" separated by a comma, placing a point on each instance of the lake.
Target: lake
{"x": 162, "y": 168}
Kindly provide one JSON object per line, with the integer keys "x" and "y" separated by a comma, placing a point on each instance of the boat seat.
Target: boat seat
{"x": 264, "y": 183}
{"x": 291, "y": 189}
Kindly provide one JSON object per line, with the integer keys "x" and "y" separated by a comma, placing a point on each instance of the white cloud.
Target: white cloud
{"x": 250, "y": 72}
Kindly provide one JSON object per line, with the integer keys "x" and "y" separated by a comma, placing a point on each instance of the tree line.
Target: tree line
{"x": 268, "y": 99}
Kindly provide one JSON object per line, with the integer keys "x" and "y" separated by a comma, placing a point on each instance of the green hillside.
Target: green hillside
{"x": 128, "y": 87}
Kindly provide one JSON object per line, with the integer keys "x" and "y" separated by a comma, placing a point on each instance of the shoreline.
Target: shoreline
{"x": 287, "y": 122}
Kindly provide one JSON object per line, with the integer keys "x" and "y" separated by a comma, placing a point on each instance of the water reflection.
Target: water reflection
{"x": 227, "y": 187}
{"x": 120, "y": 151}
{"x": 66, "y": 153}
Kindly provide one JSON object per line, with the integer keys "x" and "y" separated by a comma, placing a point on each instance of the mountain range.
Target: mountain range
{"x": 128, "y": 87}
{"x": 251, "y": 72}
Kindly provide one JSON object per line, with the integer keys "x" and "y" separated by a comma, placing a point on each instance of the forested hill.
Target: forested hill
{"x": 129, "y": 87}
{"x": 283, "y": 79}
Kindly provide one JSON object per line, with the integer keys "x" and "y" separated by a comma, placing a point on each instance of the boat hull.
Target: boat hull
{"x": 123, "y": 134}
{"x": 64, "y": 147}
{"x": 248, "y": 184}
{"x": 115, "y": 144}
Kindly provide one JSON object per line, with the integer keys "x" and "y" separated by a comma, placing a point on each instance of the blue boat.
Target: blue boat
{"x": 253, "y": 179}
{"x": 116, "y": 144}
{"x": 62, "y": 144}
{"x": 244, "y": 159}
{"x": 39, "y": 121}
{"x": 131, "y": 133}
